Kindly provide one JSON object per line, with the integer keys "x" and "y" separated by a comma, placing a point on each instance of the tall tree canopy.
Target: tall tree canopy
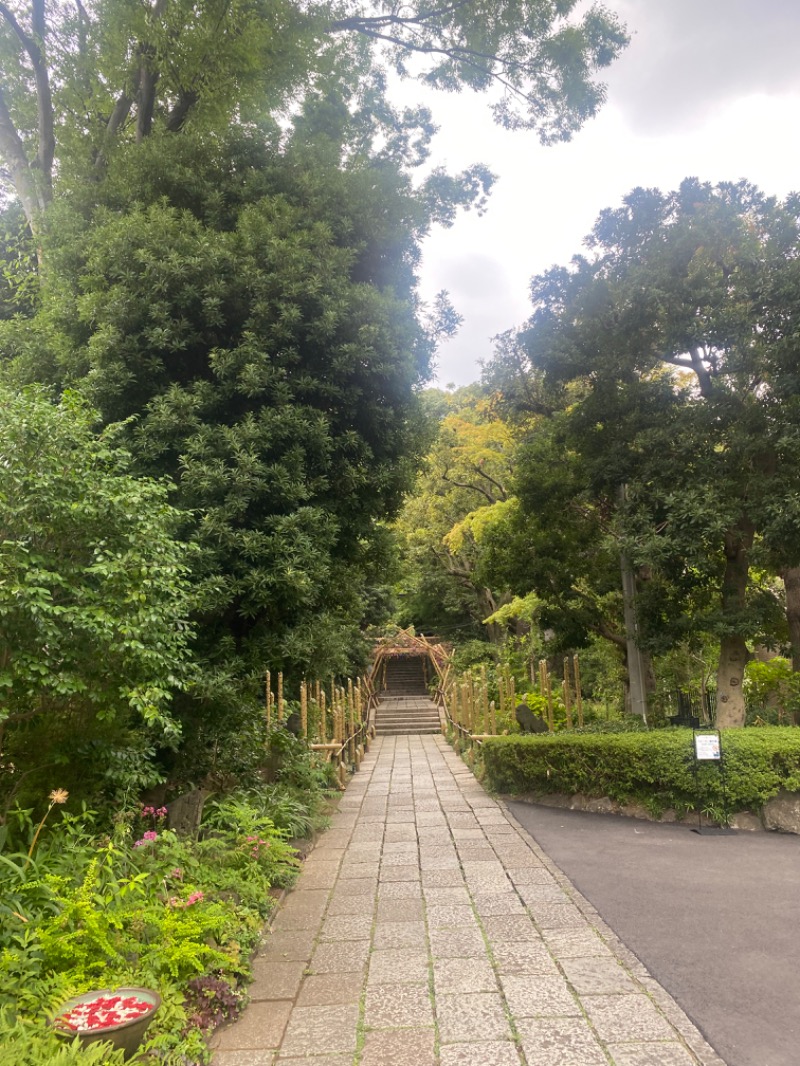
{"x": 462, "y": 490}
{"x": 676, "y": 332}
{"x": 78, "y": 80}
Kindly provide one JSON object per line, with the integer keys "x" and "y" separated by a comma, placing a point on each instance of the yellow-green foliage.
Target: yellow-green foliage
{"x": 655, "y": 768}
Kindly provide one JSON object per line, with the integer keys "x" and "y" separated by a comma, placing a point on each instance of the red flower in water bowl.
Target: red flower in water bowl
{"x": 120, "y": 1017}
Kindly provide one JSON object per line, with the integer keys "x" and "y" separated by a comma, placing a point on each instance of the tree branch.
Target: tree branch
{"x": 180, "y": 112}
{"x": 13, "y": 151}
{"x": 473, "y": 488}
{"x": 491, "y": 480}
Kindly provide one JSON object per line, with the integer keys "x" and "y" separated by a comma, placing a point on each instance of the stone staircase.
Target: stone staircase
{"x": 404, "y": 706}
{"x": 402, "y": 715}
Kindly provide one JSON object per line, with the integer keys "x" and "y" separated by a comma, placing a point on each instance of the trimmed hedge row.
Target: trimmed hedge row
{"x": 656, "y": 769}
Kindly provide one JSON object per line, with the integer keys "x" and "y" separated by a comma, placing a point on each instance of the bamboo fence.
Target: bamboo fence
{"x": 473, "y": 717}
{"x": 336, "y": 720}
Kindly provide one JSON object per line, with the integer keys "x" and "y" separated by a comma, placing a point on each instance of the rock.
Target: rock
{"x": 745, "y": 820}
{"x": 186, "y": 811}
{"x": 782, "y": 812}
{"x": 528, "y": 721}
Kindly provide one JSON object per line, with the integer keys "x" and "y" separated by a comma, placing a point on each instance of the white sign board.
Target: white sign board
{"x": 706, "y": 746}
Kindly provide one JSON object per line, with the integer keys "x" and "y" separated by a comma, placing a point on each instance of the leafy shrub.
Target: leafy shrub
{"x": 28, "y": 1044}
{"x": 655, "y": 768}
{"x": 141, "y": 906}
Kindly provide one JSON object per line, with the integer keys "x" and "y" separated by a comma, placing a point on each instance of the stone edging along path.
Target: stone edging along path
{"x": 428, "y": 929}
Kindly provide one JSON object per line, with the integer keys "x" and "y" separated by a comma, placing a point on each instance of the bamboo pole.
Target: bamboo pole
{"x": 280, "y": 696}
{"x": 485, "y": 700}
{"x": 578, "y": 694}
{"x": 493, "y": 719}
{"x": 304, "y": 708}
{"x": 352, "y": 719}
{"x": 565, "y": 688}
{"x": 323, "y": 723}
{"x": 549, "y": 695}
{"x": 268, "y": 697}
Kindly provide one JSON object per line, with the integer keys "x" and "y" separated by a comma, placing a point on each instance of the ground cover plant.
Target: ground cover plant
{"x": 90, "y": 904}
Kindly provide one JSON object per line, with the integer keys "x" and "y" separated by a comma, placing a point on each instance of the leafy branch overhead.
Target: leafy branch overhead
{"x": 75, "y": 81}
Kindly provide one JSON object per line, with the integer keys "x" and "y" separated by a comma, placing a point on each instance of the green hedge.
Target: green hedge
{"x": 654, "y": 768}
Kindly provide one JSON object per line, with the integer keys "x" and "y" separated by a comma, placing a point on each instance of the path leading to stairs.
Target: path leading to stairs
{"x": 427, "y": 929}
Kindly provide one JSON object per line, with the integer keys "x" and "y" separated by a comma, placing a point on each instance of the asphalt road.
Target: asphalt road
{"x": 715, "y": 919}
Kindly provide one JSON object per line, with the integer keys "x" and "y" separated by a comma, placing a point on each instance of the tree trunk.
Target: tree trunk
{"x": 791, "y": 581}
{"x": 733, "y": 653}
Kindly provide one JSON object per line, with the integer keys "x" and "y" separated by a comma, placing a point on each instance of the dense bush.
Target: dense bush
{"x": 81, "y": 908}
{"x": 654, "y": 768}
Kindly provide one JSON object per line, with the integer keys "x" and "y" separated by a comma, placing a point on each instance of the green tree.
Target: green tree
{"x": 675, "y": 326}
{"x": 77, "y": 81}
{"x": 94, "y": 600}
{"x": 462, "y": 488}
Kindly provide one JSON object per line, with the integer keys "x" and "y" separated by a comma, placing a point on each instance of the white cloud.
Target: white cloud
{"x": 707, "y": 89}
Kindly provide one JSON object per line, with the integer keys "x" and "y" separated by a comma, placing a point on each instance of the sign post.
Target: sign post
{"x": 707, "y": 748}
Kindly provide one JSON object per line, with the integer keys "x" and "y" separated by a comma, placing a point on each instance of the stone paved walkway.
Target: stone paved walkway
{"x": 427, "y": 929}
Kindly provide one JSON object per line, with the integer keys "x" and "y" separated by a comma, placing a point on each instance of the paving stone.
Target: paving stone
{"x": 401, "y": 847}
{"x": 448, "y": 915}
{"x": 557, "y": 916}
{"x": 465, "y": 835}
{"x": 358, "y": 886}
{"x": 493, "y": 904}
{"x": 598, "y": 976}
{"x": 535, "y": 894}
{"x": 366, "y": 852}
{"x": 667, "y": 1054}
{"x": 400, "y": 832}
{"x": 347, "y": 926}
{"x": 295, "y": 945}
{"x": 275, "y": 979}
{"x": 399, "y": 890}
{"x": 317, "y": 1060}
{"x": 355, "y": 870}
{"x": 398, "y": 1006}
{"x": 343, "y": 903}
{"x": 439, "y": 859}
{"x": 447, "y": 895}
{"x": 463, "y": 975}
{"x": 400, "y": 910}
{"x": 509, "y": 928}
{"x": 243, "y": 1058}
{"x": 442, "y": 878}
{"x": 398, "y": 966}
{"x": 399, "y": 873}
{"x": 537, "y": 996}
{"x": 319, "y": 990}
{"x": 527, "y": 957}
{"x": 259, "y": 1028}
{"x": 402, "y": 1047}
{"x": 626, "y": 1018}
{"x": 320, "y": 1030}
{"x": 471, "y": 853}
{"x": 575, "y": 943}
{"x": 518, "y": 857}
{"x": 559, "y": 1042}
{"x": 530, "y": 875}
{"x": 460, "y": 942}
{"x": 340, "y": 957}
{"x": 399, "y": 935}
{"x": 495, "y": 1053}
{"x": 471, "y": 1016}
{"x": 435, "y": 837}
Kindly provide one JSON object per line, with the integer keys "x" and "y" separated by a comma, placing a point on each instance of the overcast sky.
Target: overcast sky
{"x": 707, "y": 88}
